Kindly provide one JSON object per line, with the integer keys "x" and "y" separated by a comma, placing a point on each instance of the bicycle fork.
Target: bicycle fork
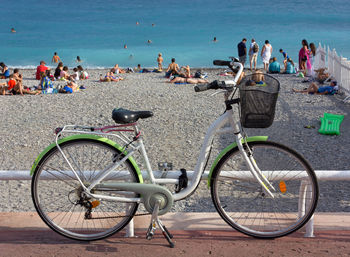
{"x": 253, "y": 167}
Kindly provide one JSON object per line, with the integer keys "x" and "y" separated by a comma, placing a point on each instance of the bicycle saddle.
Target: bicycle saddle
{"x": 123, "y": 116}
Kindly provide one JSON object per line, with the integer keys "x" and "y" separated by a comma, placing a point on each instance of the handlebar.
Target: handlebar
{"x": 226, "y": 85}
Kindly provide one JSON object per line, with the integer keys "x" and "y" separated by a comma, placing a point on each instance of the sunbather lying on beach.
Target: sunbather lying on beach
{"x": 110, "y": 77}
{"x": 188, "y": 80}
{"x": 314, "y": 89}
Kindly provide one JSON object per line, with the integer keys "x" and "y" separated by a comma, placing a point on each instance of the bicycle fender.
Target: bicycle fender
{"x": 228, "y": 148}
{"x": 87, "y": 136}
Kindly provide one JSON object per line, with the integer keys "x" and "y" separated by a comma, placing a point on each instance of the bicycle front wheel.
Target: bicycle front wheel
{"x": 58, "y": 195}
{"x": 244, "y": 205}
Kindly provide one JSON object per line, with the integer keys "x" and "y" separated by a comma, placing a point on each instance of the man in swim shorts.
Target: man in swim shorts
{"x": 242, "y": 51}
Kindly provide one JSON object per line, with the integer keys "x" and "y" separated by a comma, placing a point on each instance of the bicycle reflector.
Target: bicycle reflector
{"x": 283, "y": 187}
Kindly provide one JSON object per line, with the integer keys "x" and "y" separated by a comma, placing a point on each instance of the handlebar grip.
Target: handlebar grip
{"x": 222, "y": 63}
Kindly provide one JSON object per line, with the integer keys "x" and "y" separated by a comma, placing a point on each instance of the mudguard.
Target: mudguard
{"x": 87, "y": 136}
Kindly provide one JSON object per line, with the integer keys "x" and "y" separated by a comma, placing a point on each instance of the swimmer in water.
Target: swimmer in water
{"x": 13, "y": 30}
{"x": 125, "y": 46}
{"x": 214, "y": 40}
{"x": 137, "y": 23}
{"x": 78, "y": 59}
{"x": 149, "y": 41}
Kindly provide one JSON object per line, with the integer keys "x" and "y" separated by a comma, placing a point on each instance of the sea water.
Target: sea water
{"x": 97, "y": 30}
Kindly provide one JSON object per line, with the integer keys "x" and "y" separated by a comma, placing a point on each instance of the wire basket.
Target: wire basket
{"x": 258, "y": 101}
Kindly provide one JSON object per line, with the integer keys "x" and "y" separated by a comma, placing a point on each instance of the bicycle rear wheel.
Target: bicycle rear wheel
{"x": 58, "y": 195}
{"x": 242, "y": 202}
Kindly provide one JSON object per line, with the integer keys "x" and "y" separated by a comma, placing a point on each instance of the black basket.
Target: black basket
{"x": 258, "y": 101}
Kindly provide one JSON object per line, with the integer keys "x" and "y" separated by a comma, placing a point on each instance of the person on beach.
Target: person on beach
{"x": 58, "y": 70}
{"x": 75, "y": 76}
{"x": 242, "y": 51}
{"x": 304, "y": 60}
{"x": 55, "y": 58}
{"x": 188, "y": 80}
{"x": 64, "y": 75}
{"x": 274, "y": 66}
{"x": 39, "y": 69}
{"x": 118, "y": 70}
{"x": 71, "y": 87}
{"x": 314, "y": 89}
{"x": 110, "y": 77}
{"x": 285, "y": 58}
{"x": 83, "y": 73}
{"x": 290, "y": 68}
{"x": 5, "y": 72}
{"x": 160, "y": 62}
{"x": 45, "y": 82}
{"x": 173, "y": 69}
{"x": 187, "y": 72}
{"x": 253, "y": 53}
{"x": 266, "y": 52}
{"x": 312, "y": 53}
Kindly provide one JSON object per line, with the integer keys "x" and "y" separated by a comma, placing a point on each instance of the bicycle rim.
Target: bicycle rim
{"x": 56, "y": 192}
{"x": 242, "y": 202}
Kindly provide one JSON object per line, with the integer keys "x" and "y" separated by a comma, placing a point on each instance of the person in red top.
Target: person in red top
{"x": 41, "y": 68}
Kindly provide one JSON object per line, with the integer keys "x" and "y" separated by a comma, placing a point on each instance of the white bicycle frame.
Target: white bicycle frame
{"x": 215, "y": 128}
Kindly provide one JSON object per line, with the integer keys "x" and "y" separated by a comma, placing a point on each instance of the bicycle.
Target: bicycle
{"x": 88, "y": 187}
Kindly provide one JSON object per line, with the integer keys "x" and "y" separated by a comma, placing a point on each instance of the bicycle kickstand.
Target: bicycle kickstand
{"x": 155, "y": 221}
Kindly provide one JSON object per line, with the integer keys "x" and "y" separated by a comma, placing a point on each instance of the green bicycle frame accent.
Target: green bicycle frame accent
{"x": 87, "y": 136}
{"x": 228, "y": 148}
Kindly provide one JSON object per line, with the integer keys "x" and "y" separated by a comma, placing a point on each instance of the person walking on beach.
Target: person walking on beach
{"x": 55, "y": 58}
{"x": 266, "y": 52}
{"x": 160, "y": 62}
{"x": 253, "y": 53}
{"x": 242, "y": 51}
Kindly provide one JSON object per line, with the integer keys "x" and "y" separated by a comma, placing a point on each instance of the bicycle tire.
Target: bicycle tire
{"x": 56, "y": 191}
{"x": 243, "y": 204}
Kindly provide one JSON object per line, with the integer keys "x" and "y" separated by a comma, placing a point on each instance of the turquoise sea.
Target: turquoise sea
{"x": 97, "y": 30}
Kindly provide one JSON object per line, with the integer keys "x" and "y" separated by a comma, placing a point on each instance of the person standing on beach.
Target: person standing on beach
{"x": 55, "y": 58}
{"x": 253, "y": 53}
{"x": 285, "y": 58}
{"x": 242, "y": 51}
{"x": 266, "y": 52}
{"x": 160, "y": 62}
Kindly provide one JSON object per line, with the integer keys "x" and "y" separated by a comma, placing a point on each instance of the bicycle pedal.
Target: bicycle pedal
{"x": 183, "y": 181}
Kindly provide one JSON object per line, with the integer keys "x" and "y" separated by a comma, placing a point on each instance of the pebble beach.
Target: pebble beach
{"x": 175, "y": 132}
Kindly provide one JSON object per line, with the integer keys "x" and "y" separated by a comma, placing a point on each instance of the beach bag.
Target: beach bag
{"x": 255, "y": 48}
{"x": 258, "y": 101}
{"x": 198, "y": 74}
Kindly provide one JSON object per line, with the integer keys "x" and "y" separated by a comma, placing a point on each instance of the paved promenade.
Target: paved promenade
{"x": 195, "y": 234}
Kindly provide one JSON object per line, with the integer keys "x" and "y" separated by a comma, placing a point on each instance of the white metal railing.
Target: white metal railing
{"x": 338, "y": 67}
{"x": 322, "y": 175}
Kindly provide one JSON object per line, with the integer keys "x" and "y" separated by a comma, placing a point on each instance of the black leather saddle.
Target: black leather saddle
{"x": 123, "y": 116}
